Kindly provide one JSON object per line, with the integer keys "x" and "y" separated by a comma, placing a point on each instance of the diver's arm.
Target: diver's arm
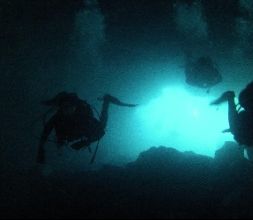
{"x": 43, "y": 139}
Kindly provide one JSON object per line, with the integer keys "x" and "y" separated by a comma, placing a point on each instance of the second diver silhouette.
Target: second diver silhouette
{"x": 240, "y": 119}
{"x": 75, "y": 123}
{"x": 202, "y": 72}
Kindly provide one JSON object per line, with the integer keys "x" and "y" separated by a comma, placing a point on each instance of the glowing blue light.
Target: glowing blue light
{"x": 179, "y": 119}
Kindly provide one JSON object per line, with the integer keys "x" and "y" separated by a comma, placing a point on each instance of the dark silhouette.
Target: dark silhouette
{"x": 202, "y": 72}
{"x": 74, "y": 121}
{"x": 240, "y": 120}
{"x": 192, "y": 186}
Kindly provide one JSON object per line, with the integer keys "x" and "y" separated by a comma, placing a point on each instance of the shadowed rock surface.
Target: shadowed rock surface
{"x": 161, "y": 183}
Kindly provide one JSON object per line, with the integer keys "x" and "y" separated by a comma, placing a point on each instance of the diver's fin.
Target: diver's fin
{"x": 226, "y": 130}
{"x": 115, "y": 101}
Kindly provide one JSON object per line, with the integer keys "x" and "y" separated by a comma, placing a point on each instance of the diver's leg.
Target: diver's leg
{"x": 107, "y": 99}
{"x": 116, "y": 101}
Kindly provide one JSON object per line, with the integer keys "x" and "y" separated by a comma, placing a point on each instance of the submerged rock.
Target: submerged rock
{"x": 229, "y": 153}
{"x": 161, "y": 183}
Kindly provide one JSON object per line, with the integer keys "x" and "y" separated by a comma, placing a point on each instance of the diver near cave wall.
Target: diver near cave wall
{"x": 74, "y": 121}
{"x": 240, "y": 121}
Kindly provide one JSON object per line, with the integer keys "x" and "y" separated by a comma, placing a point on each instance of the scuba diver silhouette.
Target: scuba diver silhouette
{"x": 74, "y": 121}
{"x": 240, "y": 121}
{"x": 201, "y": 72}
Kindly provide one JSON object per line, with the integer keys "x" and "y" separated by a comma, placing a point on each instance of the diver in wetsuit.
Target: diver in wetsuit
{"x": 240, "y": 122}
{"x": 74, "y": 121}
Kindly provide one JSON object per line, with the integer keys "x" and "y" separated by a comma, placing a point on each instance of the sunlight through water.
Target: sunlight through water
{"x": 187, "y": 122}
